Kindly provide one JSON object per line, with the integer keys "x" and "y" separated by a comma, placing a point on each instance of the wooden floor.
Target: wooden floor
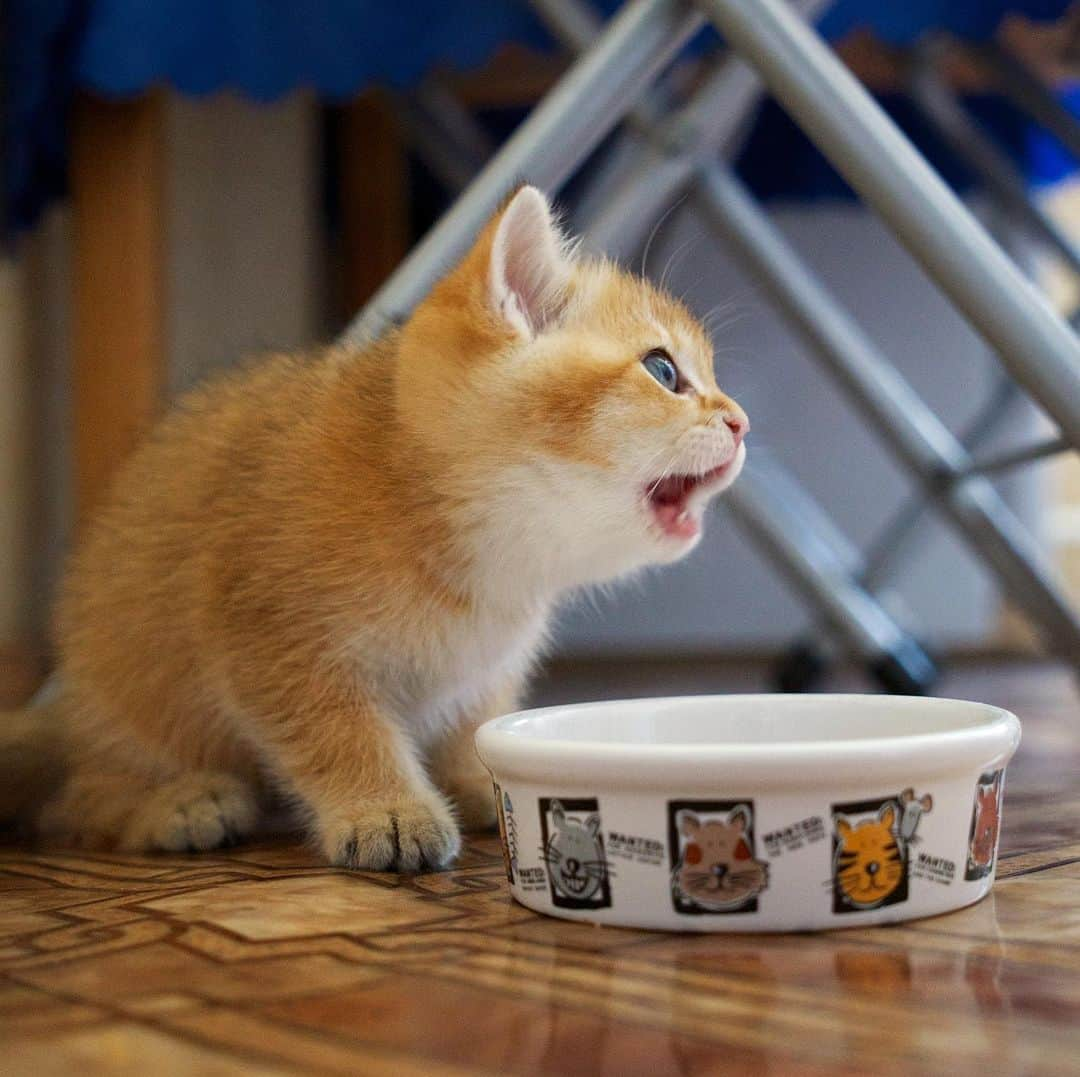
{"x": 261, "y": 961}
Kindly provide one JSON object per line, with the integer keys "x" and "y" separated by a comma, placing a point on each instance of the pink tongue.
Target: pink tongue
{"x": 673, "y": 522}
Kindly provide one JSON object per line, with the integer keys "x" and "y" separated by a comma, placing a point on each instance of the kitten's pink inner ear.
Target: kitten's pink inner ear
{"x": 529, "y": 269}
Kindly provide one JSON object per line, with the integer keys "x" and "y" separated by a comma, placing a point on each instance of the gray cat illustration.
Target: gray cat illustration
{"x": 575, "y": 856}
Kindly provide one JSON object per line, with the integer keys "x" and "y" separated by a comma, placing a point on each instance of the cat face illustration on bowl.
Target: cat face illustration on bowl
{"x": 870, "y": 860}
{"x": 717, "y": 870}
{"x": 985, "y": 821}
{"x": 986, "y": 826}
{"x": 574, "y": 854}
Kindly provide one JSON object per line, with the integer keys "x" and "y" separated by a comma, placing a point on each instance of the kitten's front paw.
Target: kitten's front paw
{"x": 400, "y": 835}
{"x": 192, "y": 813}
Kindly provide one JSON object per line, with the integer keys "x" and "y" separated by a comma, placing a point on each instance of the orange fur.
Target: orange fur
{"x": 320, "y": 572}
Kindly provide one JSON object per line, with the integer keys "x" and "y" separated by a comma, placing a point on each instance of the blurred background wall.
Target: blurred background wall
{"x": 245, "y": 272}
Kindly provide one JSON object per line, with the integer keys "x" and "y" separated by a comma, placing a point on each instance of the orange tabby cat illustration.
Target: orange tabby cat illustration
{"x": 869, "y": 860}
{"x": 320, "y": 572}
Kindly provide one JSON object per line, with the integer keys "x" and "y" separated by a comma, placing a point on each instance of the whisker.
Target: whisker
{"x": 655, "y": 456}
{"x": 728, "y": 309}
{"x": 677, "y": 254}
{"x": 656, "y": 228}
{"x": 668, "y": 470}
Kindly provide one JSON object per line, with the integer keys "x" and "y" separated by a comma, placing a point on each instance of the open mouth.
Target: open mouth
{"x": 669, "y": 501}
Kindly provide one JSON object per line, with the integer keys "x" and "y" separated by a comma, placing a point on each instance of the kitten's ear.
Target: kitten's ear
{"x": 558, "y": 816}
{"x": 592, "y": 825}
{"x": 887, "y": 814}
{"x": 529, "y": 267}
{"x": 843, "y": 827}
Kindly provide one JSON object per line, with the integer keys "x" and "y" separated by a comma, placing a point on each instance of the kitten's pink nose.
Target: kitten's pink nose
{"x": 738, "y": 425}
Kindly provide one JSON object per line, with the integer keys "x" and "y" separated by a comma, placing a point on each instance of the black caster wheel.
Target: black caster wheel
{"x": 802, "y": 669}
{"x": 906, "y": 671}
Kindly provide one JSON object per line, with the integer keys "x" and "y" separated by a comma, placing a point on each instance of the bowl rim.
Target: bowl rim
{"x": 762, "y": 764}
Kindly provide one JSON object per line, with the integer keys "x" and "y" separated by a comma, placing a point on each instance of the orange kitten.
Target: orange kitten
{"x": 320, "y": 573}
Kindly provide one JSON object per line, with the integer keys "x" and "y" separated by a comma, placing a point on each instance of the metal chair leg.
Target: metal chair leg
{"x": 559, "y": 133}
{"x": 710, "y": 123}
{"x": 792, "y": 531}
{"x": 942, "y": 109}
{"x": 916, "y": 435}
{"x": 1029, "y": 93}
{"x": 1041, "y": 352}
{"x": 920, "y": 440}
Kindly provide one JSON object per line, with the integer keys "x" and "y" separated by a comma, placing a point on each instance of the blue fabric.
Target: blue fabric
{"x": 265, "y": 48}
{"x": 901, "y": 22}
{"x": 1047, "y": 160}
{"x": 41, "y": 39}
{"x": 779, "y": 163}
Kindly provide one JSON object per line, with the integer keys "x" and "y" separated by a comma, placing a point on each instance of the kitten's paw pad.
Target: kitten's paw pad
{"x": 193, "y": 815}
{"x": 407, "y": 836}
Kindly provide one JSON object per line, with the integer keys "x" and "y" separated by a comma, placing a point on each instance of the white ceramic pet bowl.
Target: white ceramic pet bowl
{"x": 750, "y": 813}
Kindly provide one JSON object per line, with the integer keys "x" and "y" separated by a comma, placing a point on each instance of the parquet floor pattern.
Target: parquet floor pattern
{"x": 259, "y": 960}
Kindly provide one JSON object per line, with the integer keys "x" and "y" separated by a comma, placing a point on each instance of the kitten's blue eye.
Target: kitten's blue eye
{"x": 660, "y": 365}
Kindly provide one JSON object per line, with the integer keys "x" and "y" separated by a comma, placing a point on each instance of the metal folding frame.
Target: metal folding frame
{"x": 1038, "y": 349}
{"x": 559, "y": 133}
{"x": 942, "y": 108}
{"x": 703, "y": 127}
{"x": 1030, "y": 94}
{"x": 918, "y": 438}
{"x": 444, "y": 133}
{"x": 915, "y": 434}
{"x": 1006, "y": 191}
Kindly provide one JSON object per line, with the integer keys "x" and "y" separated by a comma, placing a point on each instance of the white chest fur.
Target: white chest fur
{"x": 443, "y": 668}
